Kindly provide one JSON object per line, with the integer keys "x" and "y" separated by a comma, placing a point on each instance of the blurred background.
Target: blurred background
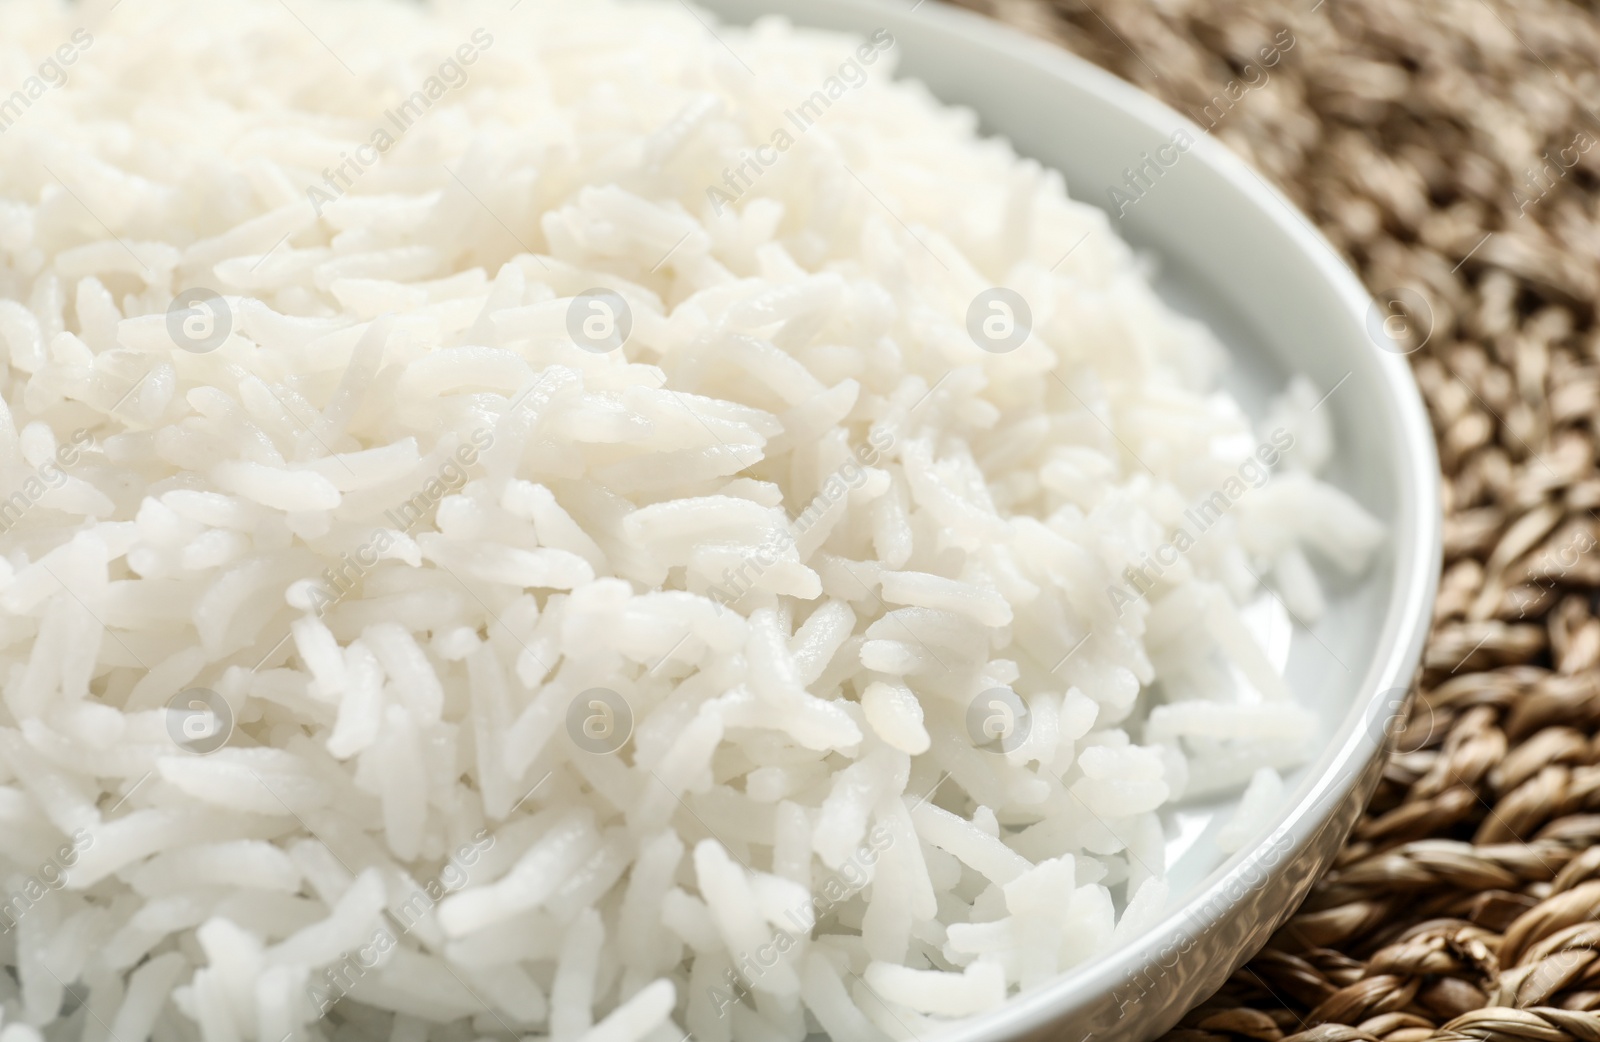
{"x": 1448, "y": 150}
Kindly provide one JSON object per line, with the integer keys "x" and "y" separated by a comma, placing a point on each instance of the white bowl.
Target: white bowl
{"x": 1235, "y": 253}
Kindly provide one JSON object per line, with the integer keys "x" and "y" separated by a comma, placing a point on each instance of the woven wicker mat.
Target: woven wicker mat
{"x": 1448, "y": 150}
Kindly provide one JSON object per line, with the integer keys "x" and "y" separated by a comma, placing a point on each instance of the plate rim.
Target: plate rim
{"x": 1345, "y": 766}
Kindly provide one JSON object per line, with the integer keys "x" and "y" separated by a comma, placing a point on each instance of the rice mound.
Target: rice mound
{"x": 569, "y": 521}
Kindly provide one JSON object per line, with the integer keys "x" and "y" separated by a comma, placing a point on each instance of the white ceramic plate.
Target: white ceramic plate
{"x": 1234, "y": 253}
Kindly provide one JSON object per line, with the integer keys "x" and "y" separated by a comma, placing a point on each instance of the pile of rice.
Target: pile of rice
{"x": 568, "y": 521}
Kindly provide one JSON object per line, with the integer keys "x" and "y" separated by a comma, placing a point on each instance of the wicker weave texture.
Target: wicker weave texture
{"x": 1448, "y": 149}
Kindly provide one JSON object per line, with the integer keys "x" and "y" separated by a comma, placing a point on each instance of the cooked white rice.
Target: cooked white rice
{"x": 550, "y": 520}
